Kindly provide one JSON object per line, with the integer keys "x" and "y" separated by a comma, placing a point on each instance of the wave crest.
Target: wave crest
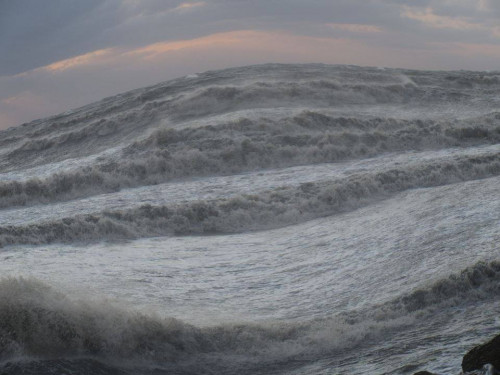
{"x": 247, "y": 145}
{"x": 268, "y": 209}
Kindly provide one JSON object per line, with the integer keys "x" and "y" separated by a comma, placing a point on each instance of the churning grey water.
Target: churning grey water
{"x": 291, "y": 219}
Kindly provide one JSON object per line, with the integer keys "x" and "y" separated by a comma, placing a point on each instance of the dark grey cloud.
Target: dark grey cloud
{"x": 34, "y": 33}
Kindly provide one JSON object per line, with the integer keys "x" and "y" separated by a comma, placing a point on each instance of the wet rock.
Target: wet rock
{"x": 482, "y": 355}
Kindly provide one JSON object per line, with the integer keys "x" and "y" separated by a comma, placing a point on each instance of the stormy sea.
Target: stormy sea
{"x": 271, "y": 219}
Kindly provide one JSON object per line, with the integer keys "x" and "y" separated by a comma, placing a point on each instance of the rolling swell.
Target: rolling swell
{"x": 269, "y": 209}
{"x": 246, "y": 145}
{"x": 39, "y": 322}
{"x": 43, "y": 329}
{"x": 267, "y": 86}
{"x": 476, "y": 283}
{"x": 323, "y": 93}
{"x": 186, "y": 146}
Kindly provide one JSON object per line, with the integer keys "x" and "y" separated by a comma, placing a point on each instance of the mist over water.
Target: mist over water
{"x": 274, "y": 219}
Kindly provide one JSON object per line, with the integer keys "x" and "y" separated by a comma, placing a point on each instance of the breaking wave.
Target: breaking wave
{"x": 39, "y": 322}
{"x": 42, "y": 328}
{"x": 478, "y": 282}
{"x": 239, "y": 146}
{"x": 269, "y": 209}
{"x": 121, "y": 117}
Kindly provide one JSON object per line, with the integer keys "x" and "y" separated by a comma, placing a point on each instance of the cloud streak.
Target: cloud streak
{"x": 429, "y": 18}
{"x": 76, "y": 61}
{"x": 187, "y": 6}
{"x": 355, "y": 28}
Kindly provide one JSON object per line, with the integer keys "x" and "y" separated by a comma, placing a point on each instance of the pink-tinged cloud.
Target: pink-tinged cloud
{"x": 189, "y": 5}
{"x": 429, "y": 18}
{"x": 356, "y": 28}
{"x": 259, "y": 44}
{"x": 218, "y": 40}
{"x": 243, "y": 39}
{"x": 82, "y": 79}
{"x": 255, "y": 46}
{"x": 85, "y": 59}
{"x": 77, "y": 81}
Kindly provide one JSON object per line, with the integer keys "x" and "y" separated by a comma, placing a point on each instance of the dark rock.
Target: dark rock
{"x": 481, "y": 355}
{"x": 424, "y": 373}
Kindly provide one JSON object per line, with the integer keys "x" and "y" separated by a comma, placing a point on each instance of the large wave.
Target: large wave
{"x": 268, "y": 209}
{"x": 40, "y": 326}
{"x": 243, "y": 145}
{"x": 122, "y": 117}
{"x": 38, "y": 322}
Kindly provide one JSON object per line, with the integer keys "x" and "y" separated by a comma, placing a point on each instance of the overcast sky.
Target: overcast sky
{"x": 60, "y": 54}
